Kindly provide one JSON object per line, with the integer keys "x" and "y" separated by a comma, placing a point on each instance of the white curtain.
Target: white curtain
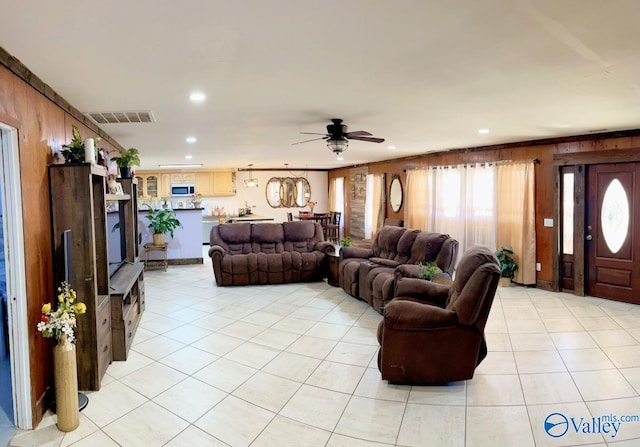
{"x": 374, "y": 204}
{"x": 336, "y": 199}
{"x": 455, "y": 200}
{"x": 516, "y": 221}
{"x": 417, "y": 199}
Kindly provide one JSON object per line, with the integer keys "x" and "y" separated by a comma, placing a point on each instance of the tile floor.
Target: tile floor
{"x": 294, "y": 365}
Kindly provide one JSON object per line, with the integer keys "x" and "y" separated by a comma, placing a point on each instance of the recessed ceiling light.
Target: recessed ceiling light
{"x": 483, "y": 131}
{"x": 340, "y": 158}
{"x": 191, "y": 140}
{"x": 188, "y": 157}
{"x": 391, "y": 148}
{"x": 197, "y": 97}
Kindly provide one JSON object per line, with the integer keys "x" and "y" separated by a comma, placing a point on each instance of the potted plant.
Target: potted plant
{"x": 428, "y": 270}
{"x": 162, "y": 221}
{"x": 73, "y": 152}
{"x": 508, "y": 265}
{"x": 128, "y": 158}
{"x": 346, "y": 242}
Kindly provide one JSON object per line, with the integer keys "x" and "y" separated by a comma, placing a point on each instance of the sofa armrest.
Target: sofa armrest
{"x": 402, "y": 315}
{"x": 216, "y": 249}
{"x": 407, "y": 271}
{"x": 385, "y": 262}
{"x": 323, "y": 246}
{"x": 356, "y": 252}
{"x": 421, "y": 289}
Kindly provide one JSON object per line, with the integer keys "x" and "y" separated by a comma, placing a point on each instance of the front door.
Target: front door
{"x": 612, "y": 230}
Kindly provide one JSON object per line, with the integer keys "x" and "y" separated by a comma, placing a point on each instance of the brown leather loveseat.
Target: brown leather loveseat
{"x": 368, "y": 273}
{"x": 267, "y": 253}
{"x": 432, "y": 333}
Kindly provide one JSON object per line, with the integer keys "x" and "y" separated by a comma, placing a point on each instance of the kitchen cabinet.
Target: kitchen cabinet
{"x": 148, "y": 185}
{"x": 224, "y": 183}
{"x": 208, "y": 183}
{"x": 184, "y": 178}
{"x": 204, "y": 183}
{"x": 165, "y": 185}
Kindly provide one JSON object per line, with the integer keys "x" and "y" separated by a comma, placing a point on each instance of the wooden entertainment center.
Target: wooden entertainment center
{"x": 115, "y": 302}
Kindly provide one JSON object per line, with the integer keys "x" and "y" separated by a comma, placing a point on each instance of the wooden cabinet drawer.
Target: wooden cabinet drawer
{"x": 103, "y": 335}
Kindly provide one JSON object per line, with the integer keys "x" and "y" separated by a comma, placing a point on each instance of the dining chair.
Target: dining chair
{"x": 290, "y": 217}
{"x": 333, "y": 227}
{"x": 323, "y": 220}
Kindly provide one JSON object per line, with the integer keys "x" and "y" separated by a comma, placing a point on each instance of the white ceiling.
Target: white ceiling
{"x": 424, "y": 74}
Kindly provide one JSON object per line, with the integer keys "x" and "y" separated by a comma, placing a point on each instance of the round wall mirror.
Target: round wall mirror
{"x": 395, "y": 193}
{"x": 288, "y": 192}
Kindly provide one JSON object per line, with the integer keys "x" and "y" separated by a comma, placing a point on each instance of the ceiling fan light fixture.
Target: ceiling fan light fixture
{"x": 338, "y": 145}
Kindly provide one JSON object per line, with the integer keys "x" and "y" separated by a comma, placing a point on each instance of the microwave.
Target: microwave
{"x": 183, "y": 189}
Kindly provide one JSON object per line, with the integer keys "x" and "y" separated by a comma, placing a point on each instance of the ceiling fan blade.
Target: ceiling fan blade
{"x": 306, "y": 141}
{"x": 358, "y": 133}
{"x": 370, "y": 139}
{"x": 313, "y": 133}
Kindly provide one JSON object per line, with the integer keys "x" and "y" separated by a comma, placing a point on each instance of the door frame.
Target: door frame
{"x": 16, "y": 280}
{"x": 579, "y": 161}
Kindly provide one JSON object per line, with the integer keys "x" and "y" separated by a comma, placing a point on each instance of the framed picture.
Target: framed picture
{"x": 117, "y": 189}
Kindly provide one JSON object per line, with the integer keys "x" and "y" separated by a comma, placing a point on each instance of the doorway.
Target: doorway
{"x": 600, "y": 230}
{"x": 7, "y": 426}
{"x": 611, "y": 231}
{"x": 15, "y": 374}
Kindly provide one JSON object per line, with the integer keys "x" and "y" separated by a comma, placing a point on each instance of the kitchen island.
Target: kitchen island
{"x": 185, "y": 247}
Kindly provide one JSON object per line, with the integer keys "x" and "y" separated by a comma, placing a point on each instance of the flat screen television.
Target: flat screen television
{"x": 116, "y": 242}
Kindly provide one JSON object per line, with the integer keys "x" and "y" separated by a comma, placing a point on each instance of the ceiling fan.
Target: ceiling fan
{"x": 338, "y": 138}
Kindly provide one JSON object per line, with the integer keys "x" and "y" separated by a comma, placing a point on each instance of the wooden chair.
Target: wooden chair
{"x": 323, "y": 220}
{"x": 333, "y": 227}
{"x": 290, "y": 217}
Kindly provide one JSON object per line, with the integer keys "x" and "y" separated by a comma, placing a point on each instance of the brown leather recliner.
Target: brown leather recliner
{"x": 433, "y": 333}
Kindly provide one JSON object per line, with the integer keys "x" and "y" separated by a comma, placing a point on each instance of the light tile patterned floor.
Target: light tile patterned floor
{"x": 294, "y": 365}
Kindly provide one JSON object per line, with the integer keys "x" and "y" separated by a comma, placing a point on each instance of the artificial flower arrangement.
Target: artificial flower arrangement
{"x": 61, "y": 321}
{"x": 311, "y": 203}
{"x": 197, "y": 197}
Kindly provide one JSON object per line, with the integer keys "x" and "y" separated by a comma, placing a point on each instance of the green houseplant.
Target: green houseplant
{"x": 508, "y": 265}
{"x": 346, "y": 242}
{"x": 73, "y": 152}
{"x": 127, "y": 158}
{"x": 428, "y": 270}
{"x": 162, "y": 221}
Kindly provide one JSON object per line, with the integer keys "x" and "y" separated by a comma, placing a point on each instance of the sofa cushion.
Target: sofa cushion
{"x": 301, "y": 236}
{"x": 405, "y": 244}
{"x": 385, "y": 245}
{"x": 267, "y": 238}
{"x": 427, "y": 246}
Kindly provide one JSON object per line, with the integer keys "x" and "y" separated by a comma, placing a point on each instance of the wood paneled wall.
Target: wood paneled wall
{"x": 43, "y": 126}
{"x": 545, "y": 171}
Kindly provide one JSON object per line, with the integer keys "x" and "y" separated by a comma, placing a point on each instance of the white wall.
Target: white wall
{"x": 318, "y": 180}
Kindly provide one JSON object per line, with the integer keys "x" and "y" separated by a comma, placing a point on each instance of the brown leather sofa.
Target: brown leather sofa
{"x": 368, "y": 273}
{"x": 432, "y": 333}
{"x": 268, "y": 253}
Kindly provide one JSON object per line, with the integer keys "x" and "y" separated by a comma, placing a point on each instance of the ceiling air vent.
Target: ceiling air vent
{"x": 121, "y": 117}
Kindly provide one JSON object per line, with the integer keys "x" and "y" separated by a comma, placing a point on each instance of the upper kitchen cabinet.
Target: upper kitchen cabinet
{"x": 184, "y": 178}
{"x": 224, "y": 183}
{"x": 207, "y": 183}
{"x": 148, "y": 184}
{"x": 204, "y": 183}
{"x": 165, "y": 185}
